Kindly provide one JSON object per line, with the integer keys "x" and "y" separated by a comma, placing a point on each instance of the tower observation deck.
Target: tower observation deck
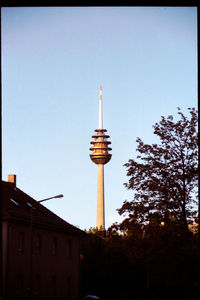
{"x": 100, "y": 155}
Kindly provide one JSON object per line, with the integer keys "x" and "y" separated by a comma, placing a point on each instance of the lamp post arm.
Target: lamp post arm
{"x": 58, "y": 196}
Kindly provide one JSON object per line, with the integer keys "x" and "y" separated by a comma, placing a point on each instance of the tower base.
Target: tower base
{"x": 101, "y": 233}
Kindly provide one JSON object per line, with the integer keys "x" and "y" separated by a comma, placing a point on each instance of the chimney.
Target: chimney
{"x": 12, "y": 179}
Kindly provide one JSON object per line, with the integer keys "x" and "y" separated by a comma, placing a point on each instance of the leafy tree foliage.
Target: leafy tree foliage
{"x": 155, "y": 256}
{"x": 92, "y": 230}
{"x": 164, "y": 177}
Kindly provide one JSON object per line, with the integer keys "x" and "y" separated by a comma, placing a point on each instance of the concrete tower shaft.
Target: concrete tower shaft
{"x": 100, "y": 155}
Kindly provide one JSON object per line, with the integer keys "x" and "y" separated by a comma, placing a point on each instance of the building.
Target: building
{"x": 100, "y": 155}
{"x": 41, "y": 251}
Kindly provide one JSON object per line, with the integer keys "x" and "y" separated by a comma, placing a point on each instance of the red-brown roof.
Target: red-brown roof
{"x": 17, "y": 206}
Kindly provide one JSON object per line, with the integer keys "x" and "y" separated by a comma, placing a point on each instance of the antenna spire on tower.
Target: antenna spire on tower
{"x": 100, "y": 110}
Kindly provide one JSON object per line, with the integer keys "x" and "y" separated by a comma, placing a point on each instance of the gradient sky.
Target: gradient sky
{"x": 53, "y": 61}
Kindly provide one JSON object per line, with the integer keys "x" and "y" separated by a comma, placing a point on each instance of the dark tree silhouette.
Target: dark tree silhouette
{"x": 164, "y": 177}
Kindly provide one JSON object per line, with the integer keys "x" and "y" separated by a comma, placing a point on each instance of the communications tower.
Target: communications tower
{"x": 100, "y": 155}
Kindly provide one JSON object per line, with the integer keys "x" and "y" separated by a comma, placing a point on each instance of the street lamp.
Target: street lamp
{"x": 31, "y": 236}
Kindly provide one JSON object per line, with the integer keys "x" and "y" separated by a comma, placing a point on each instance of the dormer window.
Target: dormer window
{"x": 30, "y": 205}
{"x": 14, "y": 201}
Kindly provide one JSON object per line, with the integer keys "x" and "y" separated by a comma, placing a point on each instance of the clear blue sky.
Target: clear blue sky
{"x": 53, "y": 62}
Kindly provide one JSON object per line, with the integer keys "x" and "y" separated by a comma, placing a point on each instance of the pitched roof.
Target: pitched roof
{"x": 17, "y": 206}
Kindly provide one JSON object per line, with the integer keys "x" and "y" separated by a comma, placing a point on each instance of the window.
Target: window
{"x": 69, "y": 248}
{"x": 14, "y": 201}
{"x": 37, "y": 285}
{"x": 38, "y": 244}
{"x": 20, "y": 284}
{"x": 21, "y": 242}
{"x": 54, "y": 285}
{"x": 30, "y": 205}
{"x": 68, "y": 286}
{"x": 54, "y": 246}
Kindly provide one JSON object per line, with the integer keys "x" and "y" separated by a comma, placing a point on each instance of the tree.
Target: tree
{"x": 92, "y": 230}
{"x": 164, "y": 177}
